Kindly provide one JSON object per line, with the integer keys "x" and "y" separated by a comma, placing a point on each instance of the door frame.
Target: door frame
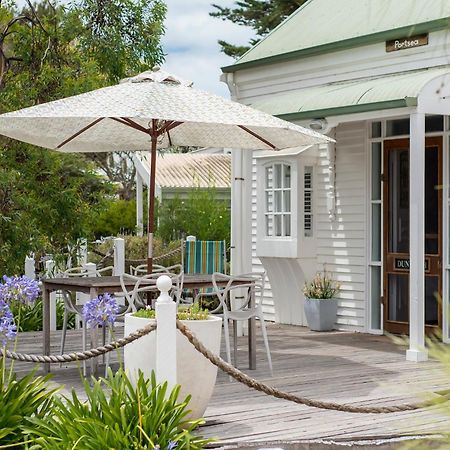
{"x": 398, "y": 327}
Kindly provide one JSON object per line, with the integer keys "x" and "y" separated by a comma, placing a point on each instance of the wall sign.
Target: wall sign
{"x": 403, "y": 264}
{"x": 407, "y": 42}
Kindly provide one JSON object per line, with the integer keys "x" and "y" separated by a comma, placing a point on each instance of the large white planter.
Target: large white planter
{"x": 321, "y": 313}
{"x": 195, "y": 374}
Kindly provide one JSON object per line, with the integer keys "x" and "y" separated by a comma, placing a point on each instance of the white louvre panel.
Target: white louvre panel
{"x": 307, "y": 200}
{"x": 341, "y": 244}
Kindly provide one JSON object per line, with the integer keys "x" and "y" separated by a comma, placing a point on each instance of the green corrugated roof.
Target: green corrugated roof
{"x": 328, "y": 25}
{"x": 367, "y": 94}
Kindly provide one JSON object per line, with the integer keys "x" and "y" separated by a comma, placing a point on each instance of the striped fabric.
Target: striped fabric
{"x": 205, "y": 257}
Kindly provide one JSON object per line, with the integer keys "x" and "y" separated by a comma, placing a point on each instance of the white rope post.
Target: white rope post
{"x": 50, "y": 272}
{"x": 119, "y": 257}
{"x": 166, "y": 334}
{"x": 30, "y": 271}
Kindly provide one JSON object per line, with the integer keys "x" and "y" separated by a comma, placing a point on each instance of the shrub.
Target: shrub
{"x": 118, "y": 218}
{"x": 202, "y": 215}
{"x": 119, "y": 415}
{"x": 193, "y": 312}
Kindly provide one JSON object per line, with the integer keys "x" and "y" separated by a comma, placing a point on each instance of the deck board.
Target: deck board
{"x": 342, "y": 367}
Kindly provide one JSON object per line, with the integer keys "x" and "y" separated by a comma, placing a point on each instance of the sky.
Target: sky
{"x": 191, "y": 44}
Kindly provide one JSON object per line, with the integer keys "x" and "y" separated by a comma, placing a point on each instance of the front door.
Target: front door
{"x": 396, "y": 234}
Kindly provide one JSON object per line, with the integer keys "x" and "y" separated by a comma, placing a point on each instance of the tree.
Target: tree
{"x": 262, "y": 15}
{"x": 47, "y": 199}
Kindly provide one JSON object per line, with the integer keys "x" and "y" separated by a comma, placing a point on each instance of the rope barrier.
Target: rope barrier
{"x": 223, "y": 365}
{"x": 84, "y": 355}
{"x": 274, "y": 392}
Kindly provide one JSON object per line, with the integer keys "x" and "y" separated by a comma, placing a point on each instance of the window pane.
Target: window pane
{"x": 434, "y": 123}
{"x": 269, "y": 177}
{"x": 287, "y": 201}
{"x": 376, "y": 232}
{"x": 376, "y": 130}
{"x": 376, "y": 171}
{"x": 277, "y": 176}
{"x": 375, "y": 297}
{"x": 269, "y": 201}
{"x": 278, "y": 229}
{"x": 397, "y": 127}
{"x": 269, "y": 225}
{"x": 287, "y": 224}
{"x": 278, "y": 203}
{"x": 287, "y": 176}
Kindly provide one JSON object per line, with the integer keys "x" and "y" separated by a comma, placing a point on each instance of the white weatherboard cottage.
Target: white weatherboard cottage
{"x": 374, "y": 207}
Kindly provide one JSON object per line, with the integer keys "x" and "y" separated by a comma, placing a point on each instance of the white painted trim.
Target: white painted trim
{"x": 417, "y": 351}
{"x": 295, "y": 151}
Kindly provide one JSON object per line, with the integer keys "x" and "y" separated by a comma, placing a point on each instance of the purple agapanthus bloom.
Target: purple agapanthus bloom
{"x": 172, "y": 445}
{"x": 101, "y": 310}
{"x": 19, "y": 290}
{"x": 8, "y": 329}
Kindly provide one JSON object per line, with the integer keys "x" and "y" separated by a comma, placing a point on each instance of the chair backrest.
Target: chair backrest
{"x": 83, "y": 272}
{"x": 142, "y": 269}
{"x": 205, "y": 257}
{"x": 135, "y": 294}
{"x": 254, "y": 286}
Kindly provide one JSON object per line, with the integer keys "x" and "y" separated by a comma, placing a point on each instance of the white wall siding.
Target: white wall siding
{"x": 268, "y": 306}
{"x": 341, "y": 244}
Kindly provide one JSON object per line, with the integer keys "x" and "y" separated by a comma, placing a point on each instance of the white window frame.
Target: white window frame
{"x": 284, "y": 213}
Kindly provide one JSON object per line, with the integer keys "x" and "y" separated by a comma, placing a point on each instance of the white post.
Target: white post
{"x": 417, "y": 351}
{"x": 30, "y": 270}
{"x": 91, "y": 269}
{"x": 50, "y": 272}
{"x": 139, "y": 206}
{"x": 82, "y": 252}
{"x": 119, "y": 256}
{"x": 166, "y": 334}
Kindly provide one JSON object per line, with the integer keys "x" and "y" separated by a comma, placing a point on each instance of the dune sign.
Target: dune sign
{"x": 406, "y": 42}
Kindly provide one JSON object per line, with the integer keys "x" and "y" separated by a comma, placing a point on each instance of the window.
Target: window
{"x": 308, "y": 199}
{"x": 277, "y": 200}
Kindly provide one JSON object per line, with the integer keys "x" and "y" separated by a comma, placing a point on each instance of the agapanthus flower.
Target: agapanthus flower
{"x": 19, "y": 290}
{"x": 101, "y": 310}
{"x": 8, "y": 329}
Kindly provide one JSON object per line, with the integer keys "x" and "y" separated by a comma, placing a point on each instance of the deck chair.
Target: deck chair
{"x": 205, "y": 257}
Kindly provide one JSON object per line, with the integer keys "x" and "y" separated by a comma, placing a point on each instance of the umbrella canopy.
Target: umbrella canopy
{"x": 152, "y": 110}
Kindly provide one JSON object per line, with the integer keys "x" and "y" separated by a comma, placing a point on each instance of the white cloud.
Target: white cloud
{"x": 191, "y": 42}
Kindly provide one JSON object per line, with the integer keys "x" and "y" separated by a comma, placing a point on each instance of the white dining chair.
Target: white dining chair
{"x": 253, "y": 290}
{"x": 142, "y": 269}
{"x": 134, "y": 287}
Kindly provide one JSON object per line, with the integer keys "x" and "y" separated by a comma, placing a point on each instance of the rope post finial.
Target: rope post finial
{"x": 166, "y": 334}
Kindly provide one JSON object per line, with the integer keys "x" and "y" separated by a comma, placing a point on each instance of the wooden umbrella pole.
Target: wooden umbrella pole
{"x": 151, "y": 203}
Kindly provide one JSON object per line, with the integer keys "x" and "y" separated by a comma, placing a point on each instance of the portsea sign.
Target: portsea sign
{"x": 406, "y": 42}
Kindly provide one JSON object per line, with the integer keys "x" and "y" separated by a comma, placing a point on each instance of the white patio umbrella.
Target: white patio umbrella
{"x": 150, "y": 111}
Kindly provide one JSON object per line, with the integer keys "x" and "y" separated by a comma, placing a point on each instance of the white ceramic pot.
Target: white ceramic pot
{"x": 196, "y": 375}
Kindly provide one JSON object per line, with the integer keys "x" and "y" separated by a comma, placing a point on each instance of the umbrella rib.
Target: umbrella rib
{"x": 95, "y": 122}
{"x": 257, "y": 136}
{"x": 136, "y": 126}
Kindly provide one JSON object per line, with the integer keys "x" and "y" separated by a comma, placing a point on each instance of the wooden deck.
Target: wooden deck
{"x": 337, "y": 366}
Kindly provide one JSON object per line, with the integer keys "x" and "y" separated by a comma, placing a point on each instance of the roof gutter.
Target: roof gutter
{"x": 407, "y": 31}
{"x": 351, "y": 109}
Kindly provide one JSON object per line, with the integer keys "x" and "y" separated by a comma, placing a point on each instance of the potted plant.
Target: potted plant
{"x": 196, "y": 375}
{"x": 320, "y": 302}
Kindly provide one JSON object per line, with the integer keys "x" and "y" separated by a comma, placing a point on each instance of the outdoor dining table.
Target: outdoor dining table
{"x": 95, "y": 286}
